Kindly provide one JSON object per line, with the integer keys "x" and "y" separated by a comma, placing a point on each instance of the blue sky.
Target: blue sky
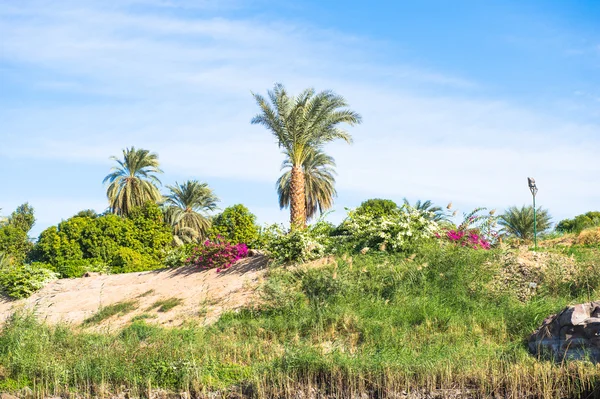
{"x": 461, "y": 100}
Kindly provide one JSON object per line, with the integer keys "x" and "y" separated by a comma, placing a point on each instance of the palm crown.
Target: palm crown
{"x": 187, "y": 207}
{"x": 133, "y": 181}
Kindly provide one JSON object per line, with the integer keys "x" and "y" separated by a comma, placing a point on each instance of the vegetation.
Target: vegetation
{"x": 14, "y": 232}
{"x": 518, "y": 222}
{"x": 376, "y": 324}
{"x": 186, "y": 210}
{"x": 111, "y": 310}
{"x": 579, "y": 223}
{"x": 236, "y": 224}
{"x": 302, "y": 125}
{"x": 319, "y": 183}
{"x": 434, "y": 212}
{"x": 377, "y": 207}
{"x": 133, "y": 182}
{"x": 164, "y": 305}
{"x": 216, "y": 255}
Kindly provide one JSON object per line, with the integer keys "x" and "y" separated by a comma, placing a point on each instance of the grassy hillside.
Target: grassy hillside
{"x": 379, "y": 324}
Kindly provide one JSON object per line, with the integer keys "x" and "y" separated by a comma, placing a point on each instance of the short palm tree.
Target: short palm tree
{"x": 186, "y": 209}
{"x": 303, "y": 124}
{"x": 133, "y": 182}
{"x": 518, "y": 222}
{"x": 319, "y": 183}
{"x": 437, "y": 213}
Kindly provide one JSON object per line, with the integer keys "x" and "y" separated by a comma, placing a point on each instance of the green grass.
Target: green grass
{"x": 145, "y": 294}
{"x": 143, "y": 316}
{"x": 104, "y": 313}
{"x": 164, "y": 305}
{"x": 377, "y": 325}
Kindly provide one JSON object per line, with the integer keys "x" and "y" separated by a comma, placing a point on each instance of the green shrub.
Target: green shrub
{"x": 178, "y": 255}
{"x": 128, "y": 260}
{"x": 377, "y": 207}
{"x": 579, "y": 223}
{"x": 83, "y": 243}
{"x": 13, "y": 233}
{"x": 236, "y": 224}
{"x": 22, "y": 280}
{"x": 299, "y": 245}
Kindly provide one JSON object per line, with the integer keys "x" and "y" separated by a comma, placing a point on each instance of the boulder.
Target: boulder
{"x": 572, "y": 334}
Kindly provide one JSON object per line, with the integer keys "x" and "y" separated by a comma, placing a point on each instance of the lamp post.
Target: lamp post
{"x": 533, "y": 188}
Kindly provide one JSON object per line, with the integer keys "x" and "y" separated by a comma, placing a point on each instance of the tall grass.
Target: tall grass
{"x": 376, "y": 325}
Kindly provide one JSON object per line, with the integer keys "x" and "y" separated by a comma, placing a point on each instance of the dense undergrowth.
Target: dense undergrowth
{"x": 375, "y": 324}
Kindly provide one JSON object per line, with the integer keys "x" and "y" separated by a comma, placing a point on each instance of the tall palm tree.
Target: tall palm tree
{"x": 187, "y": 207}
{"x": 518, "y": 222}
{"x": 437, "y": 213}
{"x": 133, "y": 182}
{"x": 302, "y": 124}
{"x": 319, "y": 183}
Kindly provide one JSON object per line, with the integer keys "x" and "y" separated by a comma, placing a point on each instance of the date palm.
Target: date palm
{"x": 319, "y": 183}
{"x": 437, "y": 213}
{"x": 186, "y": 209}
{"x": 518, "y": 222}
{"x": 303, "y": 124}
{"x": 133, "y": 182}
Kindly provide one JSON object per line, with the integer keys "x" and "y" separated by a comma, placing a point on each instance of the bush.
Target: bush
{"x": 236, "y": 224}
{"x": 299, "y": 245}
{"x": 589, "y": 237}
{"x": 217, "y": 255}
{"x": 81, "y": 242}
{"x": 178, "y": 255}
{"x": 477, "y": 231}
{"x": 13, "y": 233}
{"x": 401, "y": 231}
{"x": 377, "y": 207}
{"x": 129, "y": 260}
{"x": 20, "y": 281}
{"x": 579, "y": 223}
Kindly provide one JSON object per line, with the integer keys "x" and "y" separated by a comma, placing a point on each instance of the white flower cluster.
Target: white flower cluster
{"x": 393, "y": 232}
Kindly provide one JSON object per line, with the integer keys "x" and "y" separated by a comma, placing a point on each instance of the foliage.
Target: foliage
{"x": 177, "y": 255}
{"x": 395, "y": 232}
{"x": 435, "y": 212}
{"x": 319, "y": 183}
{"x": 377, "y": 207}
{"x": 14, "y": 240}
{"x": 369, "y": 325}
{"x": 81, "y": 244}
{"x": 164, "y": 305}
{"x": 133, "y": 182}
{"x": 111, "y": 310}
{"x": 589, "y": 237}
{"x": 579, "y": 223}
{"x": 518, "y": 222}
{"x": 186, "y": 210}
{"x": 218, "y": 255}
{"x": 236, "y": 224}
{"x": 298, "y": 245}
{"x": 477, "y": 230}
{"x": 302, "y": 125}
{"x": 21, "y": 280}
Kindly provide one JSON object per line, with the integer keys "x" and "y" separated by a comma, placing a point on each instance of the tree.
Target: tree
{"x": 133, "y": 182}
{"x": 319, "y": 183}
{"x": 302, "y": 125}
{"x": 518, "y": 222}
{"x": 435, "y": 213}
{"x": 235, "y": 224}
{"x": 579, "y": 222}
{"x": 14, "y": 240}
{"x": 186, "y": 209}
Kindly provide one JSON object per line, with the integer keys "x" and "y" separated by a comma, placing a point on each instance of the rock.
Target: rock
{"x": 91, "y": 274}
{"x": 572, "y": 334}
{"x": 7, "y": 396}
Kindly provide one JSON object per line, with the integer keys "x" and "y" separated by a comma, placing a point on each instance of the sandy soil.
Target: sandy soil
{"x": 205, "y": 295}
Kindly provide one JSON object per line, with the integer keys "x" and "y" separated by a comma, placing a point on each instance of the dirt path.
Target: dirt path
{"x": 204, "y": 295}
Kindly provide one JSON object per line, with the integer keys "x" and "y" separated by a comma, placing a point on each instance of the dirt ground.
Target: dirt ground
{"x": 204, "y": 295}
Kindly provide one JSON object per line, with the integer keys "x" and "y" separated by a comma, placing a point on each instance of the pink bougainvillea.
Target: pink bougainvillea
{"x": 469, "y": 239}
{"x": 218, "y": 255}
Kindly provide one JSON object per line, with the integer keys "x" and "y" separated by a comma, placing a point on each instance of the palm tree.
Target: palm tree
{"x": 319, "y": 183}
{"x": 187, "y": 205}
{"x": 133, "y": 182}
{"x": 302, "y": 125}
{"x": 437, "y": 213}
{"x": 518, "y": 222}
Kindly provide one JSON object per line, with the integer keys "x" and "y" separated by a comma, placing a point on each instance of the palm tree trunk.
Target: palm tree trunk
{"x": 297, "y": 199}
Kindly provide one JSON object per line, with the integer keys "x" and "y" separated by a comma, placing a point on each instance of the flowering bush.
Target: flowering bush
{"x": 298, "y": 245}
{"x": 399, "y": 231}
{"x": 477, "y": 231}
{"x": 22, "y": 280}
{"x": 218, "y": 255}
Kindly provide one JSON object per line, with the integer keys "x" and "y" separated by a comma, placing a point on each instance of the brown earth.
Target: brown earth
{"x": 204, "y": 295}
